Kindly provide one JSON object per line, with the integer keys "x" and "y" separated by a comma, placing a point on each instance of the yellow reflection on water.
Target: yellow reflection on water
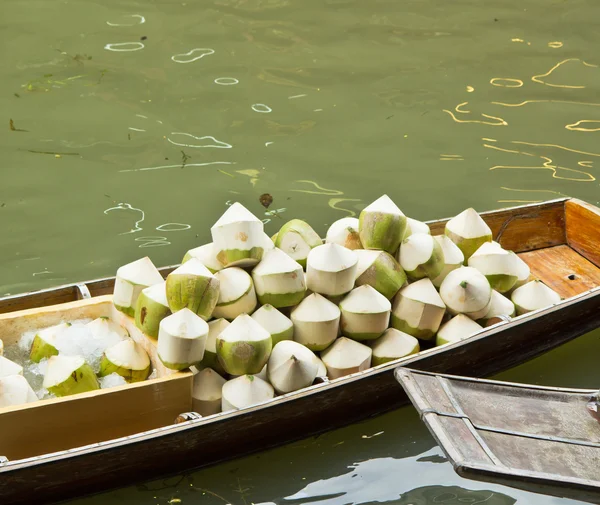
{"x": 506, "y": 82}
{"x": 525, "y": 102}
{"x": 537, "y": 78}
{"x": 333, "y": 203}
{"x": 555, "y": 45}
{"x": 498, "y": 120}
{"x": 321, "y": 189}
{"x": 576, "y": 126}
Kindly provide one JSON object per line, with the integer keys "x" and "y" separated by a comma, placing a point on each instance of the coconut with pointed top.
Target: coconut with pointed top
{"x": 523, "y": 271}
{"x": 499, "y": 307}
{"x": 44, "y": 342}
{"x": 126, "y": 359}
{"x": 151, "y": 308}
{"x": 192, "y": 286}
{"x": 392, "y": 345}
{"x": 316, "y": 322}
{"x": 414, "y": 226}
{"x": 182, "y": 340}
{"x": 207, "y": 255}
{"x": 291, "y": 367}
{"x": 279, "y": 280}
{"x": 344, "y": 232}
{"x": 346, "y": 356}
{"x": 8, "y": 367}
{"x": 207, "y": 392}
{"x": 331, "y": 270}
{"x": 365, "y": 313}
{"x": 418, "y": 310}
{"x": 533, "y": 296}
{"x": 379, "y": 270}
{"x": 296, "y": 238}
{"x": 468, "y": 231}
{"x": 279, "y": 326}
{"x": 236, "y": 293}
{"x": 210, "y": 360}
{"x": 245, "y": 391}
{"x": 466, "y": 291}
{"x": 131, "y": 280}
{"x": 69, "y": 375}
{"x": 244, "y": 346}
{"x": 421, "y": 256}
{"x": 499, "y": 266}
{"x": 453, "y": 258}
{"x": 15, "y": 390}
{"x": 458, "y": 328}
{"x": 102, "y": 326}
{"x": 382, "y": 225}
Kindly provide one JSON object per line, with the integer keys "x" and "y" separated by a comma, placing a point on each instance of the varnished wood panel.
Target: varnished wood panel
{"x": 583, "y": 229}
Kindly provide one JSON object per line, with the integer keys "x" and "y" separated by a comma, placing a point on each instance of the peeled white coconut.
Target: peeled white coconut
{"x": 8, "y": 367}
{"x": 69, "y": 375}
{"x": 151, "y": 308}
{"x": 277, "y": 324}
{"x": 245, "y": 391}
{"x": 532, "y": 296}
{"x": 244, "y": 346}
{"x": 331, "y": 270}
{"x": 458, "y": 328}
{"x": 346, "y": 356}
{"x": 15, "y": 390}
{"x": 291, "y": 367}
{"x": 207, "y": 255}
{"x": 500, "y": 306}
{"x": 523, "y": 271}
{"x": 453, "y": 258}
{"x": 414, "y": 226}
{"x": 192, "y": 286}
{"x": 344, "y": 232}
{"x": 499, "y": 266}
{"x": 210, "y": 360}
{"x": 236, "y": 293}
{"x": 131, "y": 280}
{"x": 44, "y": 342}
{"x": 207, "y": 392}
{"x": 126, "y": 359}
{"x": 238, "y": 237}
{"x": 261, "y": 375}
{"x": 316, "y": 322}
{"x": 393, "y": 344}
{"x": 466, "y": 291}
{"x": 468, "y": 231}
{"x": 420, "y": 256}
{"x": 279, "y": 280}
{"x": 380, "y": 270}
{"x": 382, "y": 225}
{"x": 101, "y": 326}
{"x": 182, "y": 339}
{"x": 418, "y": 310}
{"x": 365, "y": 313}
{"x": 296, "y": 238}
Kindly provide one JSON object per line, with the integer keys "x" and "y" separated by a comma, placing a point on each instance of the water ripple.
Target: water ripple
{"x": 124, "y": 47}
{"x": 207, "y": 51}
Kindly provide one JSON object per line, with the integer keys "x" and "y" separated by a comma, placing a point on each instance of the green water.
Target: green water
{"x": 134, "y": 147}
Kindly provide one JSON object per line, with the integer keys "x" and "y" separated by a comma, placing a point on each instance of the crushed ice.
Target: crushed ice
{"x": 111, "y": 381}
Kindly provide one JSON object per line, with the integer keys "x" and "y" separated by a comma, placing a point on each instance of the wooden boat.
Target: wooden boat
{"x": 558, "y": 239}
{"x": 512, "y": 434}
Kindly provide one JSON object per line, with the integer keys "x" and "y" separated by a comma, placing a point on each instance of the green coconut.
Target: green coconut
{"x": 207, "y": 255}
{"x": 192, "y": 286}
{"x": 345, "y": 357}
{"x": 151, "y": 308}
{"x": 8, "y": 367}
{"x": 499, "y": 307}
{"x": 291, "y": 367}
{"x": 420, "y": 255}
{"x": 365, "y": 313}
{"x": 382, "y": 225}
{"x": 131, "y": 280}
{"x": 458, "y": 328}
{"x": 296, "y": 238}
{"x": 379, "y": 270}
{"x": 69, "y": 375}
{"x": 468, "y": 231}
{"x": 279, "y": 280}
{"x": 344, "y": 232}
{"x": 453, "y": 258}
{"x": 207, "y": 392}
{"x": 210, "y": 360}
{"x": 499, "y": 266}
{"x": 279, "y": 326}
{"x": 316, "y": 322}
{"x": 533, "y": 296}
{"x": 414, "y": 226}
{"x": 15, "y": 390}
{"x": 523, "y": 272}
{"x": 466, "y": 291}
{"x": 331, "y": 270}
{"x": 44, "y": 342}
{"x": 236, "y": 293}
{"x": 182, "y": 339}
{"x": 245, "y": 391}
{"x": 126, "y": 359}
{"x": 393, "y": 344}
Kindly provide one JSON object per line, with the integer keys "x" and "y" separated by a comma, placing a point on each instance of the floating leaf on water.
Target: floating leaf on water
{"x": 265, "y": 200}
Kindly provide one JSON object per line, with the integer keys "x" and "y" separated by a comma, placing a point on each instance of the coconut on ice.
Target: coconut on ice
{"x": 126, "y": 359}
{"x": 331, "y": 270}
{"x": 466, "y": 291}
{"x": 316, "y": 322}
{"x": 346, "y": 356}
{"x": 207, "y": 392}
{"x": 379, "y": 270}
{"x": 236, "y": 293}
{"x": 468, "y": 231}
{"x": 365, "y": 313}
{"x": 344, "y": 232}
{"x": 245, "y": 391}
{"x": 151, "y": 308}
{"x": 44, "y": 342}
{"x": 69, "y": 375}
{"x": 182, "y": 339}
{"x": 291, "y": 367}
{"x": 382, "y": 225}
{"x": 392, "y": 345}
{"x": 420, "y": 255}
{"x": 15, "y": 390}
{"x": 131, "y": 280}
{"x": 279, "y": 280}
{"x": 296, "y": 238}
{"x": 279, "y": 326}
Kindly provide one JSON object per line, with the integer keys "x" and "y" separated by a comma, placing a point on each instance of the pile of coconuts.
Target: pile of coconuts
{"x": 256, "y": 316}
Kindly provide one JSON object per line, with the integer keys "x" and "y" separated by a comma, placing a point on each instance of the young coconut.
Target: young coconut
{"x": 382, "y": 225}
{"x": 182, "y": 339}
{"x": 533, "y": 296}
{"x": 244, "y": 346}
{"x": 414, "y": 226}
{"x": 131, "y": 280}
{"x": 126, "y": 359}
{"x": 291, "y": 367}
{"x": 261, "y": 375}
{"x": 468, "y": 231}
{"x": 279, "y": 280}
{"x": 393, "y": 344}
{"x": 210, "y": 360}
{"x": 238, "y": 237}
{"x": 523, "y": 271}
{"x": 466, "y": 291}
{"x": 453, "y": 258}
{"x": 102, "y": 326}
{"x": 69, "y": 375}
{"x": 192, "y": 286}
{"x": 458, "y": 328}
{"x": 151, "y": 308}
{"x": 15, "y": 390}
{"x": 331, "y": 270}
{"x": 345, "y": 357}
{"x": 236, "y": 293}
{"x": 8, "y": 367}
{"x": 418, "y": 310}
{"x": 499, "y": 266}
{"x": 379, "y": 270}
{"x": 207, "y": 392}
{"x": 420, "y": 255}
{"x": 277, "y": 324}
{"x": 365, "y": 313}
{"x": 500, "y": 306}
{"x": 207, "y": 255}
{"x": 316, "y": 322}
{"x": 44, "y": 342}
{"x": 344, "y": 232}
{"x": 245, "y": 391}
{"x": 296, "y": 238}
